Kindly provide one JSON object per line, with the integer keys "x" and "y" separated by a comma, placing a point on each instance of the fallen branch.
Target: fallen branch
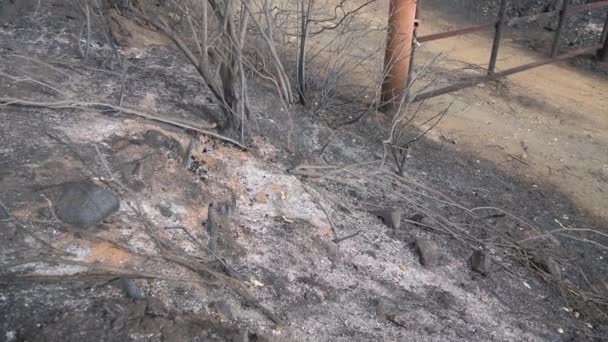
{"x": 346, "y": 237}
{"x": 318, "y": 200}
{"x": 68, "y": 104}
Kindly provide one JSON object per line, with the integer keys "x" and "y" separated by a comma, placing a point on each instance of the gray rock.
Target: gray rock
{"x": 156, "y": 308}
{"x": 390, "y": 216}
{"x": 480, "y": 262}
{"x": 131, "y": 289}
{"x": 159, "y": 140}
{"x": 417, "y": 217}
{"x": 85, "y": 204}
{"x": 428, "y": 251}
{"x": 422, "y": 219}
{"x": 4, "y": 215}
{"x": 165, "y": 210}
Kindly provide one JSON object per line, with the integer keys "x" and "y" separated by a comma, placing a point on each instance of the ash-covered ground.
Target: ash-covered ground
{"x": 212, "y": 242}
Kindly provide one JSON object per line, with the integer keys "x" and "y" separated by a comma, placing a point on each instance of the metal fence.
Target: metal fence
{"x": 601, "y": 49}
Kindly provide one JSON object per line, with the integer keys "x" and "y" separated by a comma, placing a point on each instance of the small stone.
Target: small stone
{"x": 428, "y": 252}
{"x": 4, "y": 215}
{"x": 159, "y": 140}
{"x": 165, "y": 210}
{"x": 417, "y": 217}
{"x": 131, "y": 289}
{"x": 424, "y": 220}
{"x": 480, "y": 262}
{"x": 390, "y": 216}
{"x": 156, "y": 308}
{"x": 85, "y": 204}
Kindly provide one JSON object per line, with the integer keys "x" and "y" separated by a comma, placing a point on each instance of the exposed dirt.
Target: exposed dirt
{"x": 255, "y": 256}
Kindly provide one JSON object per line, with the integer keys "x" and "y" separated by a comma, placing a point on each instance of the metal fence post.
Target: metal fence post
{"x": 414, "y": 44}
{"x": 402, "y": 16}
{"x": 603, "y": 53}
{"x": 497, "y": 36}
{"x": 560, "y": 27}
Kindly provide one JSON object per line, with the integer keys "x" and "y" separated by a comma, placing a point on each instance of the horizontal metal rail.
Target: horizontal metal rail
{"x": 497, "y": 75}
{"x": 510, "y": 22}
{"x": 459, "y": 32}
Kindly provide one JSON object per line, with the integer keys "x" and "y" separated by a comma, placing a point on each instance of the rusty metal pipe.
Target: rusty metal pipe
{"x": 402, "y": 16}
{"x": 414, "y": 41}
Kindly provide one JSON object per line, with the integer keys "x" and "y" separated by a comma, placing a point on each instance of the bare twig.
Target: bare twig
{"x": 318, "y": 200}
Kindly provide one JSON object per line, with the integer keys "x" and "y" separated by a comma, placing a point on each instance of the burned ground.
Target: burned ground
{"x": 235, "y": 245}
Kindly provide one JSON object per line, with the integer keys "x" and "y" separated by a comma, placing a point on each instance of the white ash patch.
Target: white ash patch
{"x": 94, "y": 130}
{"x": 78, "y": 251}
{"x": 42, "y": 268}
{"x": 286, "y": 197}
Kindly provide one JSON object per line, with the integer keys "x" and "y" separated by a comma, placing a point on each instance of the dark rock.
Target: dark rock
{"x": 428, "y": 251}
{"x": 390, "y": 216}
{"x": 131, "y": 289}
{"x": 156, "y": 308}
{"x": 85, "y": 204}
{"x": 257, "y": 337}
{"x": 417, "y": 217}
{"x": 159, "y": 140}
{"x": 165, "y": 210}
{"x": 480, "y": 262}
{"x": 4, "y": 215}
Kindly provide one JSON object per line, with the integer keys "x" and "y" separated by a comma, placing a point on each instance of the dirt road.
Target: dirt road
{"x": 548, "y": 124}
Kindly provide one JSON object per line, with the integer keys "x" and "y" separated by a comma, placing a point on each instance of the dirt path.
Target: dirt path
{"x": 549, "y": 123}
